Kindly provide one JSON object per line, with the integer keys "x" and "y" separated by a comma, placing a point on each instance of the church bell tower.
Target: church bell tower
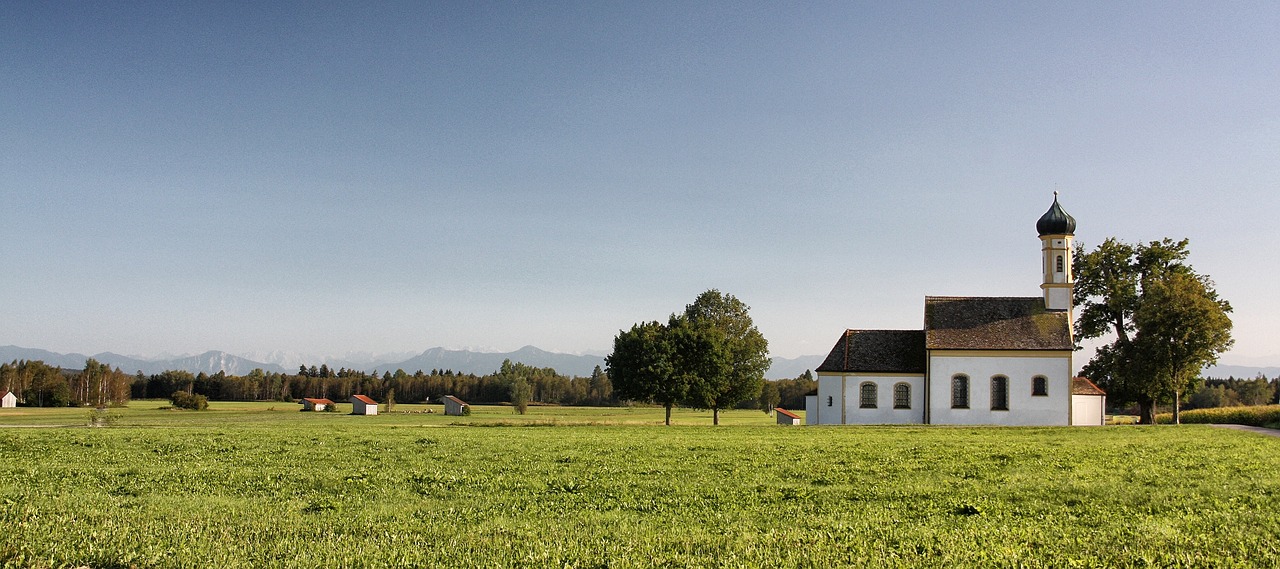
{"x": 1057, "y": 229}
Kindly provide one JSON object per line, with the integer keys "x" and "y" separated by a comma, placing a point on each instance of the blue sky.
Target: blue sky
{"x": 333, "y": 177}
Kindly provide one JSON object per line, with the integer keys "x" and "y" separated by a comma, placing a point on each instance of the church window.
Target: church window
{"x": 868, "y": 395}
{"x": 960, "y": 392}
{"x": 902, "y": 396}
{"x": 1040, "y": 386}
{"x": 829, "y": 401}
{"x": 1059, "y": 263}
{"x": 999, "y": 393}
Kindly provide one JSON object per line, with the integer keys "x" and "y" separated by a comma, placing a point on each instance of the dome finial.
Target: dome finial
{"x": 1056, "y": 221}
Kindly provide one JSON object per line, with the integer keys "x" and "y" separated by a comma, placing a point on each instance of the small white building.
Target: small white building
{"x": 786, "y": 417}
{"x": 8, "y": 399}
{"x": 454, "y": 406}
{"x": 315, "y": 404}
{"x": 1088, "y": 403}
{"x": 363, "y": 405}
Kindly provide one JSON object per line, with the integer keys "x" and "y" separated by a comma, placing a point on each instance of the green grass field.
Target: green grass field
{"x": 243, "y": 485}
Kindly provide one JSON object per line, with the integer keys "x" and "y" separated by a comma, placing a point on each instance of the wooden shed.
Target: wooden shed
{"x": 455, "y": 406}
{"x": 315, "y": 404}
{"x": 363, "y": 405}
{"x": 8, "y": 399}
{"x": 786, "y": 417}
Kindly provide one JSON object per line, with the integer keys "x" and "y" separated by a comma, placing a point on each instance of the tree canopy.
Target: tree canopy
{"x": 1167, "y": 321}
{"x": 642, "y": 366}
{"x": 711, "y": 356}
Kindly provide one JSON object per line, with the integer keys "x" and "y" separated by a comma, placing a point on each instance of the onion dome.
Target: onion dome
{"x": 1056, "y": 221}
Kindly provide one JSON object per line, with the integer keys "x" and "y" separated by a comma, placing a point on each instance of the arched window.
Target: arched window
{"x": 1040, "y": 386}
{"x": 868, "y": 395}
{"x": 999, "y": 393}
{"x": 960, "y": 392}
{"x": 902, "y": 396}
{"x": 829, "y": 401}
{"x": 1059, "y": 263}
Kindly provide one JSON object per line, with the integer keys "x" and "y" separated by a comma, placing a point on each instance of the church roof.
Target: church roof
{"x": 1056, "y": 221}
{"x": 877, "y": 351}
{"x": 994, "y": 323}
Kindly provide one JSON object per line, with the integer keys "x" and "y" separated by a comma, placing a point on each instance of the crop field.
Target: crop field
{"x": 262, "y": 485}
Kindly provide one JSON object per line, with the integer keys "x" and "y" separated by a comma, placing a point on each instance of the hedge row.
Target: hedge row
{"x": 1256, "y": 415}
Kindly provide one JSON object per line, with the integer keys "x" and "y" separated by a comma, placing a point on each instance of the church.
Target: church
{"x": 978, "y": 360}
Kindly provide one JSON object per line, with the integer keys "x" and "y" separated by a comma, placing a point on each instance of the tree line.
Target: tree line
{"x": 41, "y": 385}
{"x": 37, "y": 384}
{"x": 1234, "y": 392}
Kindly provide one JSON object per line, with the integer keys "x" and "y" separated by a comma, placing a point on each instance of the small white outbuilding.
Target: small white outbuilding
{"x": 454, "y": 406}
{"x": 363, "y": 405}
{"x": 1088, "y": 403}
{"x": 8, "y": 399}
{"x": 315, "y": 404}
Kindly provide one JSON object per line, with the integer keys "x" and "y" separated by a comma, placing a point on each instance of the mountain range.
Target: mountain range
{"x": 463, "y": 361}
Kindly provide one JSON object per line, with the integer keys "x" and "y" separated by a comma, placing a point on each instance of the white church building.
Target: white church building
{"x": 978, "y": 360}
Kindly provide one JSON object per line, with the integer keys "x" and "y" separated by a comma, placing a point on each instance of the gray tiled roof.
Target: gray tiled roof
{"x": 877, "y": 351}
{"x": 994, "y": 323}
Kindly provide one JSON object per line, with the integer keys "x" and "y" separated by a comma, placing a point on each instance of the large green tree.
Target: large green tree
{"x": 642, "y": 366}
{"x": 721, "y": 352}
{"x": 1165, "y": 320}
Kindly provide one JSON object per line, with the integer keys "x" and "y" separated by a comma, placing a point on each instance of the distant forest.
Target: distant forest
{"x": 39, "y": 385}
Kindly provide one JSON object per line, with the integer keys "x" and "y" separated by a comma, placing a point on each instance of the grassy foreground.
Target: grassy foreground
{"x": 305, "y": 490}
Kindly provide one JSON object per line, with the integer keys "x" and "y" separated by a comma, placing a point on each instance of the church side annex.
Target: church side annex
{"x": 978, "y": 360}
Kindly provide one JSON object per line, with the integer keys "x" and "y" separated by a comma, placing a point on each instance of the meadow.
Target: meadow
{"x": 262, "y": 485}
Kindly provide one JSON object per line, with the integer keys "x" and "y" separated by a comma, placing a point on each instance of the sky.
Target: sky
{"x": 327, "y": 178}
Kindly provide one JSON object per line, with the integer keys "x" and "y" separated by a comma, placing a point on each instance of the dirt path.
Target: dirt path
{"x": 1259, "y": 430}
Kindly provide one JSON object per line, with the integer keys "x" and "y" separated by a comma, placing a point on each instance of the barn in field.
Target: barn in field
{"x": 454, "y": 406}
{"x": 8, "y": 399}
{"x": 363, "y": 405}
{"x": 315, "y": 404}
{"x": 786, "y": 417}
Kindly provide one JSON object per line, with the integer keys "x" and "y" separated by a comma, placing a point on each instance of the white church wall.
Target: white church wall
{"x": 884, "y": 412}
{"x": 811, "y": 410}
{"x": 830, "y": 399}
{"x": 980, "y": 367}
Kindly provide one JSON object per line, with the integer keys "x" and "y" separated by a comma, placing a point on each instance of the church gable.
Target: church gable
{"x": 877, "y": 351}
{"x": 994, "y": 323}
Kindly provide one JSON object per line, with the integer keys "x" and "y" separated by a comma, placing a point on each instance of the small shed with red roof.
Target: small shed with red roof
{"x": 8, "y": 399}
{"x": 1088, "y": 403}
{"x": 315, "y": 404}
{"x": 363, "y": 405}
{"x": 786, "y": 417}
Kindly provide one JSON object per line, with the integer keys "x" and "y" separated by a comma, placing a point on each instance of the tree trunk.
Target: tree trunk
{"x": 1146, "y": 412}
{"x": 668, "y": 414}
{"x": 1177, "y": 404}
{"x": 715, "y": 416}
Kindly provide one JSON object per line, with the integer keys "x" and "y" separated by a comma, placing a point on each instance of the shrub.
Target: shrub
{"x": 188, "y": 400}
{"x": 101, "y": 417}
{"x": 1255, "y": 415}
